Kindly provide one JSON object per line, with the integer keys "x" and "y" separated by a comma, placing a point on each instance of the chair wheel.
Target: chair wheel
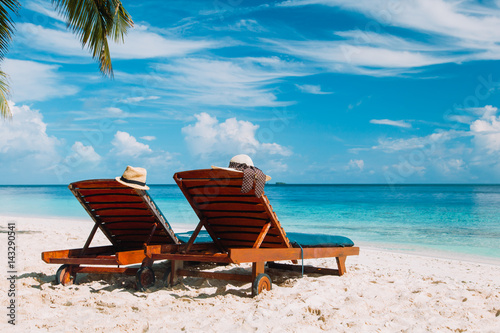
{"x": 262, "y": 282}
{"x": 166, "y": 277}
{"x": 145, "y": 278}
{"x": 65, "y": 276}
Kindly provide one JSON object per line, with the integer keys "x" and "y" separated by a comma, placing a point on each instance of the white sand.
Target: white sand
{"x": 381, "y": 292}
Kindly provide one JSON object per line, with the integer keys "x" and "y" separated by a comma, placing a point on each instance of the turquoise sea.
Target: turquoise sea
{"x": 461, "y": 220}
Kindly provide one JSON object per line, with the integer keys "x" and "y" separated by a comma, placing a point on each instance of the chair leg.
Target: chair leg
{"x": 147, "y": 262}
{"x": 341, "y": 264}
{"x": 257, "y": 268}
{"x": 175, "y": 266}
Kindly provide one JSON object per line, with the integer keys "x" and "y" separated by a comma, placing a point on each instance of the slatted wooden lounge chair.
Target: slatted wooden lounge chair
{"x": 130, "y": 220}
{"x": 244, "y": 229}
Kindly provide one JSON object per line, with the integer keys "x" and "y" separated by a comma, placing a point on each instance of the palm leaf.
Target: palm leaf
{"x": 6, "y": 24}
{"x": 4, "y": 94}
{"x": 6, "y": 31}
{"x": 93, "y": 21}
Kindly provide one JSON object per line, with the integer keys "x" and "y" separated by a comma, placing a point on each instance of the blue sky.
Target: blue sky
{"x": 315, "y": 91}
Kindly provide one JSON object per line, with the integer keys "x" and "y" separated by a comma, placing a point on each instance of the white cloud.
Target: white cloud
{"x": 238, "y": 82}
{"x": 350, "y": 56}
{"x": 86, "y": 153}
{"x": 312, "y": 89}
{"x": 486, "y": 130}
{"x": 457, "y": 25}
{"x": 241, "y": 25}
{"x": 140, "y": 43}
{"x": 119, "y": 115}
{"x": 26, "y": 132}
{"x": 355, "y": 165}
{"x": 45, "y": 8}
{"x": 126, "y": 145}
{"x": 34, "y": 81}
{"x": 139, "y": 99}
{"x": 397, "y": 123}
{"x": 276, "y": 167}
{"x": 127, "y": 150}
{"x": 143, "y": 44}
{"x": 208, "y": 136}
{"x": 25, "y": 147}
{"x": 148, "y": 137}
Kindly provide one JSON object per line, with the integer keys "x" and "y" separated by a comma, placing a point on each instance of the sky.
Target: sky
{"x": 314, "y": 91}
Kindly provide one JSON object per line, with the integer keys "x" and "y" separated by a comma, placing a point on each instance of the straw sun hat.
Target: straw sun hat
{"x": 240, "y": 159}
{"x": 134, "y": 177}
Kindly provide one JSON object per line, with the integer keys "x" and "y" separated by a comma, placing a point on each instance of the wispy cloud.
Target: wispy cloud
{"x": 139, "y": 44}
{"x": 35, "y": 81}
{"x": 139, "y": 99}
{"x": 350, "y": 56}
{"x": 312, "y": 89}
{"x": 239, "y": 82}
{"x": 458, "y": 30}
{"x": 397, "y": 123}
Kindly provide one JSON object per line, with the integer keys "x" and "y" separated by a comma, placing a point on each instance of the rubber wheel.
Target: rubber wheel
{"x": 145, "y": 278}
{"x": 262, "y": 282}
{"x": 64, "y": 275}
{"x": 166, "y": 277}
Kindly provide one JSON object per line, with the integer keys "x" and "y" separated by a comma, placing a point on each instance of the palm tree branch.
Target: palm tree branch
{"x": 6, "y": 23}
{"x": 4, "y": 95}
{"x": 93, "y": 21}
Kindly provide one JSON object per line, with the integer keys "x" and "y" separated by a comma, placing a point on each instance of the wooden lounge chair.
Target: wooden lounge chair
{"x": 244, "y": 229}
{"x": 130, "y": 220}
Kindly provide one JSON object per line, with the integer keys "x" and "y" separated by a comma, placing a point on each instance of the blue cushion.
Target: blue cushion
{"x": 318, "y": 240}
{"x": 305, "y": 240}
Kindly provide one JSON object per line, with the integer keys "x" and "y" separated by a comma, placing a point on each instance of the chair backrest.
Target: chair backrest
{"x": 125, "y": 215}
{"x": 233, "y": 219}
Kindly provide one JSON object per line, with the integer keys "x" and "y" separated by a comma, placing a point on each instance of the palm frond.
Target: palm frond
{"x": 6, "y": 31}
{"x": 6, "y": 24}
{"x": 4, "y": 95}
{"x": 93, "y": 21}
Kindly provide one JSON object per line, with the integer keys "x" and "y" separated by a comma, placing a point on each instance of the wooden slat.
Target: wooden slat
{"x": 229, "y": 199}
{"x": 120, "y": 232}
{"x": 235, "y": 214}
{"x": 217, "y": 257}
{"x": 106, "y": 191}
{"x": 127, "y": 219}
{"x": 208, "y": 173}
{"x": 242, "y": 207}
{"x": 139, "y": 238}
{"x": 117, "y": 205}
{"x": 129, "y": 225}
{"x": 248, "y": 244}
{"x": 110, "y": 198}
{"x": 191, "y": 183}
{"x": 84, "y": 261}
{"x": 124, "y": 212}
{"x": 262, "y": 235}
{"x": 99, "y": 183}
{"x": 206, "y": 191}
{"x": 104, "y": 270}
{"x": 252, "y": 255}
{"x": 242, "y": 220}
{"x": 248, "y": 237}
{"x": 243, "y": 228}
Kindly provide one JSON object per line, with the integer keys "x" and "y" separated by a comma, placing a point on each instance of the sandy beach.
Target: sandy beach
{"x": 381, "y": 292}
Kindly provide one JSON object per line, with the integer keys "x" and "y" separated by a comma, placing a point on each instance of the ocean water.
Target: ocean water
{"x": 454, "y": 219}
